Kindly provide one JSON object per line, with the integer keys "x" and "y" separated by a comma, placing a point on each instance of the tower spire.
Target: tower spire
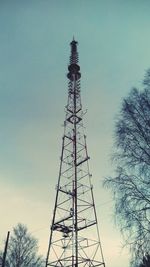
{"x": 74, "y": 236}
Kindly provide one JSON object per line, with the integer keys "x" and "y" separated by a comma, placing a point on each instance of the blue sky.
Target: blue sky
{"x": 114, "y": 43}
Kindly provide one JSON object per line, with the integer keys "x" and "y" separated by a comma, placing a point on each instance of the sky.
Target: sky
{"x": 114, "y": 41}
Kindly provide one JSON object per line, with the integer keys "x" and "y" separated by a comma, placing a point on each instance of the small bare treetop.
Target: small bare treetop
{"x": 23, "y": 249}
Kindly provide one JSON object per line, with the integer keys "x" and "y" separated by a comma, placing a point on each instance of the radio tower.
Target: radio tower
{"x": 74, "y": 235}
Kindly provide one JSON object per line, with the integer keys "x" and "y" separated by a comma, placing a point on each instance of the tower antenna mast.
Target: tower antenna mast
{"x": 74, "y": 236}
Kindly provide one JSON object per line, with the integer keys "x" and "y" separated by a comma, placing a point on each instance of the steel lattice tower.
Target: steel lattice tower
{"x": 74, "y": 236}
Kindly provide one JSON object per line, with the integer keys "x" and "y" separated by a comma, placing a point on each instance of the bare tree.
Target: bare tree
{"x": 131, "y": 184}
{"x": 22, "y": 249}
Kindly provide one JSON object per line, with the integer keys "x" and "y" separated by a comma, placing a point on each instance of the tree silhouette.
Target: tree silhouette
{"x": 131, "y": 184}
{"x": 22, "y": 249}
